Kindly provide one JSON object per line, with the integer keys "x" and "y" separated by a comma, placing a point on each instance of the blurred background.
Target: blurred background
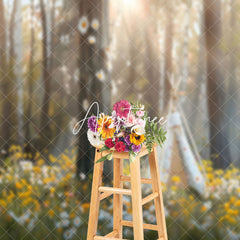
{"x": 59, "y": 56}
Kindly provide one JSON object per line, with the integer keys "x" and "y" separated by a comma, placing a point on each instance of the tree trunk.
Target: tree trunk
{"x": 219, "y": 145}
{"x": 152, "y": 63}
{"x": 168, "y": 42}
{"x": 5, "y": 121}
{"x": 91, "y": 60}
{"x": 30, "y": 78}
{"x": 7, "y": 81}
{"x": 233, "y": 87}
{"x": 18, "y": 70}
{"x": 45, "y": 130}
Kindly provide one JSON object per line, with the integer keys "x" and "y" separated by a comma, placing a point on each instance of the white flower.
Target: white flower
{"x": 77, "y": 221}
{"x": 63, "y": 205}
{"x": 26, "y": 165}
{"x": 83, "y": 25}
{"x": 85, "y": 104}
{"x": 100, "y": 75}
{"x": 138, "y": 129}
{"x": 92, "y": 39}
{"x": 94, "y": 138}
{"x": 58, "y": 224}
{"x": 64, "y": 215}
{"x": 95, "y": 24}
{"x": 65, "y": 222}
{"x": 69, "y": 233}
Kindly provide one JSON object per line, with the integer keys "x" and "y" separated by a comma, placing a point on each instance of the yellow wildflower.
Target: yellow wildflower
{"x": 176, "y": 179}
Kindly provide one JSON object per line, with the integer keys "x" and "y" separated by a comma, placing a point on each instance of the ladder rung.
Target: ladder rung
{"x": 104, "y": 195}
{"x": 112, "y": 234}
{"x": 115, "y": 190}
{"x": 145, "y": 225}
{"x": 149, "y": 198}
{"x": 107, "y": 238}
{"x": 143, "y": 180}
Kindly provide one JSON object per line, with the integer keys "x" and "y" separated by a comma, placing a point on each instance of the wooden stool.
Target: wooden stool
{"x": 100, "y": 193}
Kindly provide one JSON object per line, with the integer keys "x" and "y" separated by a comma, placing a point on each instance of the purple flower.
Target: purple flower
{"x": 126, "y": 148}
{"x": 127, "y": 140}
{"x": 92, "y": 124}
{"x": 136, "y": 148}
{"x": 117, "y": 121}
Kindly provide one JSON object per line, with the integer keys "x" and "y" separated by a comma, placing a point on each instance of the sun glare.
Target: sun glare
{"x": 130, "y": 4}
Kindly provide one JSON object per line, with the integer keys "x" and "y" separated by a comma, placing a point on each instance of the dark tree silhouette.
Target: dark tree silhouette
{"x": 219, "y": 145}
{"x": 45, "y": 131}
{"x": 91, "y": 60}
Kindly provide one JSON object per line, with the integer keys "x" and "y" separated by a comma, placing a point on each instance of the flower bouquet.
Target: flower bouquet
{"x": 126, "y": 130}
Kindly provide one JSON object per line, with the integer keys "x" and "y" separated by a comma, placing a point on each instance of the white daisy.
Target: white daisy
{"x": 95, "y": 24}
{"x": 83, "y": 25}
{"x": 64, "y": 214}
{"x": 85, "y": 104}
{"x": 64, "y": 205}
{"x": 94, "y": 138}
{"x": 65, "y": 222}
{"x": 100, "y": 75}
{"x": 92, "y": 39}
{"x": 77, "y": 221}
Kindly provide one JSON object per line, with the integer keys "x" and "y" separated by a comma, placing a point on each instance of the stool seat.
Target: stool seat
{"x": 100, "y": 192}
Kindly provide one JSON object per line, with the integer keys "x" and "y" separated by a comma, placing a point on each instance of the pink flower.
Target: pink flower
{"x": 130, "y": 121}
{"x": 122, "y": 108}
{"x": 140, "y": 122}
{"x": 140, "y": 113}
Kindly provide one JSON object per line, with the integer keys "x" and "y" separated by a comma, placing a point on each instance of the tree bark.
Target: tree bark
{"x": 18, "y": 53}
{"x": 219, "y": 144}
{"x": 91, "y": 60}
{"x": 5, "y": 121}
{"x": 45, "y": 130}
{"x": 168, "y": 42}
{"x": 152, "y": 64}
{"x": 7, "y": 80}
{"x": 30, "y": 78}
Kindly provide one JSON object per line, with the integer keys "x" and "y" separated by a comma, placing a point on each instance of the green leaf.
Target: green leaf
{"x": 105, "y": 158}
{"x": 132, "y": 156}
{"x": 104, "y": 148}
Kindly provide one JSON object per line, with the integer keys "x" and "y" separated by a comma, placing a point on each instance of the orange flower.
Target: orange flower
{"x": 104, "y": 129}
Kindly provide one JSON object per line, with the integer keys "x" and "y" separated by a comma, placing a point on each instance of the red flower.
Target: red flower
{"x": 120, "y": 147}
{"x": 109, "y": 143}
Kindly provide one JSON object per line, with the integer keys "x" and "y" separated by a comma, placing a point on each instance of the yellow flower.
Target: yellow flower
{"x": 104, "y": 129}
{"x": 51, "y": 213}
{"x": 203, "y": 208}
{"x": 176, "y": 179}
{"x": 237, "y": 203}
{"x": 232, "y": 212}
{"x": 136, "y": 139}
{"x": 3, "y": 203}
{"x": 18, "y": 185}
{"x": 85, "y": 207}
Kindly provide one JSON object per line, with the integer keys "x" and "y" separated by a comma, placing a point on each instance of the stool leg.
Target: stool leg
{"x": 117, "y": 198}
{"x": 94, "y": 204}
{"x": 159, "y": 207}
{"x": 136, "y": 199}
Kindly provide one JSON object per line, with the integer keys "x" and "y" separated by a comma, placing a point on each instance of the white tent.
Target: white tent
{"x": 179, "y": 152}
